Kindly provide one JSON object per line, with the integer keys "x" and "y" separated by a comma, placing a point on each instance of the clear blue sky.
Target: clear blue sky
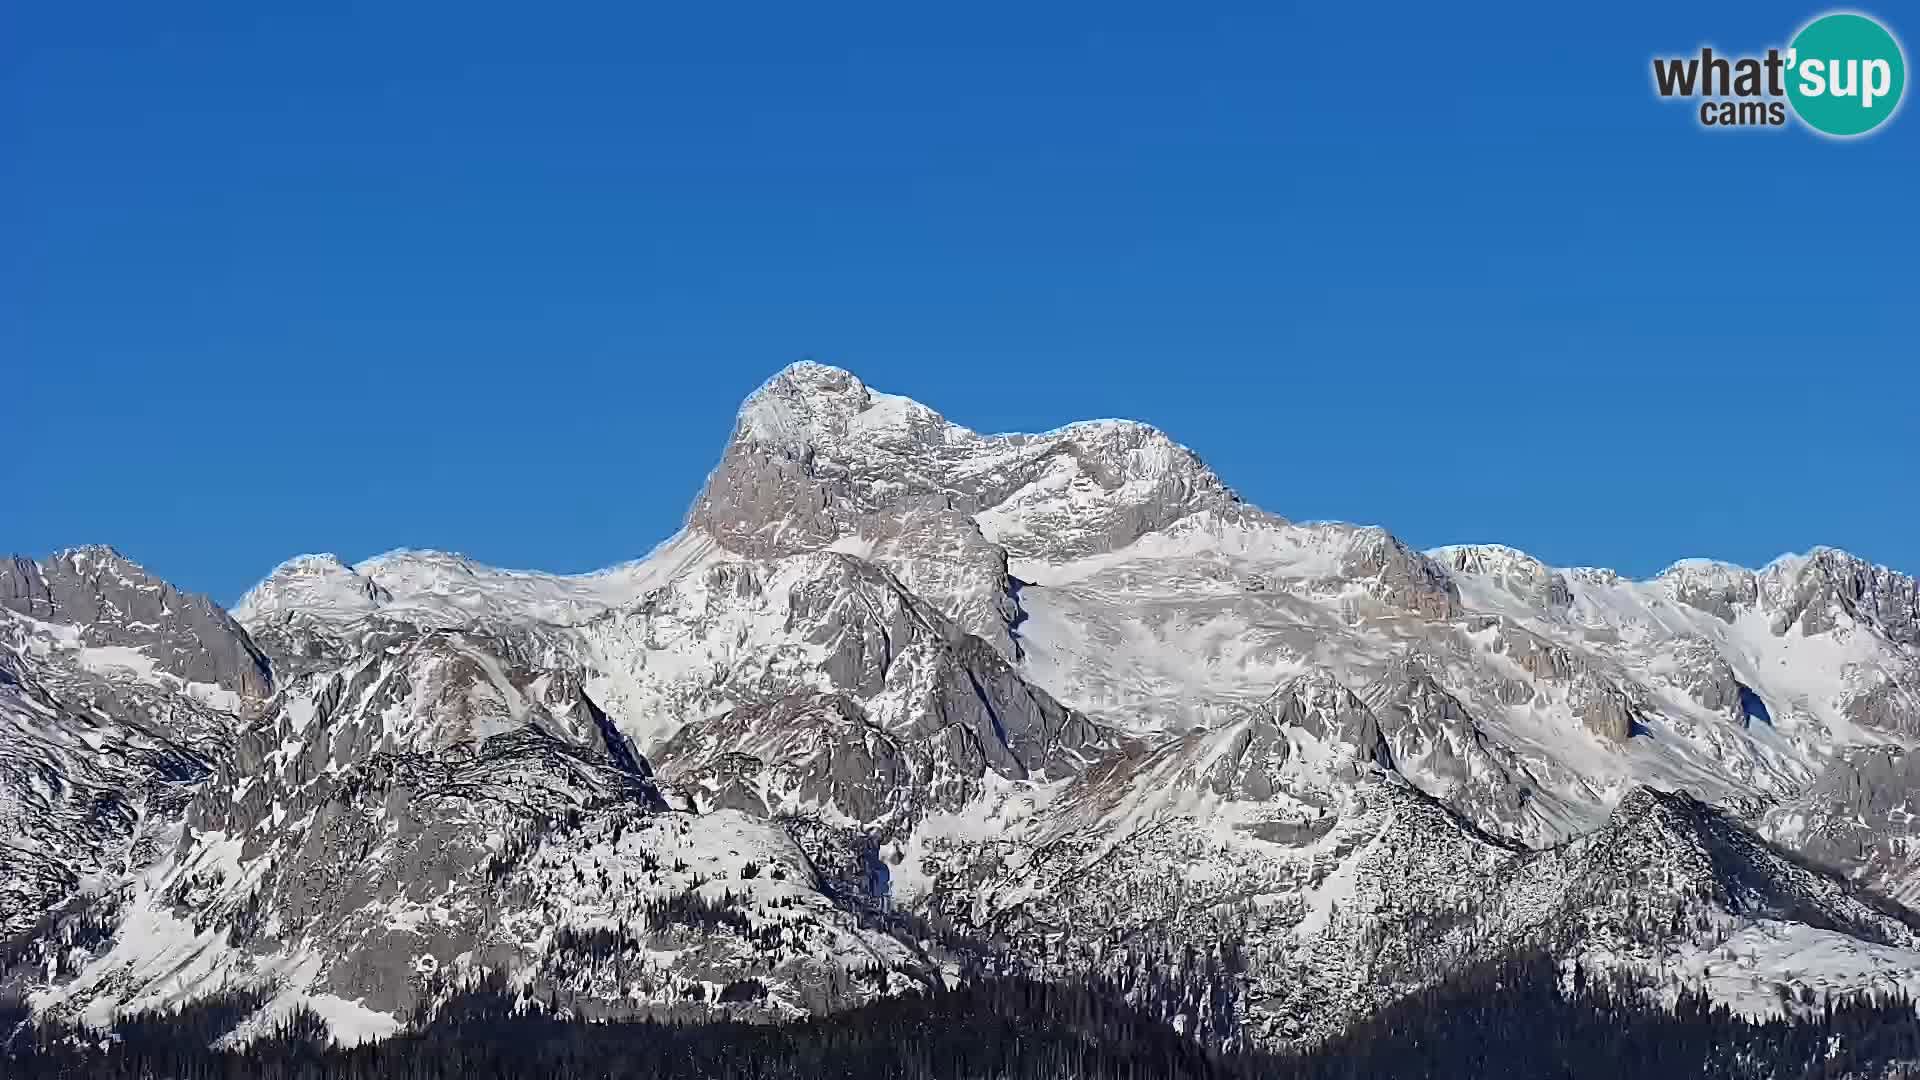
{"x": 494, "y": 279}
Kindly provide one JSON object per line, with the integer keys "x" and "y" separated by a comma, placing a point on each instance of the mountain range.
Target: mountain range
{"x": 903, "y": 703}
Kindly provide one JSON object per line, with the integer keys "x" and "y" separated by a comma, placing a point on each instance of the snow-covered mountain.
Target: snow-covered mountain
{"x": 903, "y": 700}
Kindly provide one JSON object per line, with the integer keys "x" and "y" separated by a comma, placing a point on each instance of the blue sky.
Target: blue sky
{"x": 493, "y": 279}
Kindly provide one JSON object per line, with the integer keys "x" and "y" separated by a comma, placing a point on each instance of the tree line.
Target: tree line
{"x": 1521, "y": 1016}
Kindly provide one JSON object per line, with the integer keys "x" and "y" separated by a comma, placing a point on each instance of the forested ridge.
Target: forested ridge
{"x": 1513, "y": 1018}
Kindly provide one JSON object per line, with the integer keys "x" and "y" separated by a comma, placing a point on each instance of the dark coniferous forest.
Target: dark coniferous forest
{"x": 1514, "y": 1018}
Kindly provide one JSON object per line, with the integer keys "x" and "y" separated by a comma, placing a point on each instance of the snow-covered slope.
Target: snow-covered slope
{"x": 117, "y": 694}
{"x": 443, "y": 589}
{"x": 1571, "y": 684}
{"x": 902, "y": 698}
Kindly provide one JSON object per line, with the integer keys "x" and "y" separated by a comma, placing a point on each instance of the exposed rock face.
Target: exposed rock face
{"x": 1062, "y": 694}
{"x": 817, "y": 460}
{"x": 398, "y": 790}
{"x": 941, "y": 556}
{"x": 1526, "y": 578}
{"x": 1437, "y": 744}
{"x": 117, "y": 695}
{"x": 1318, "y": 705}
{"x": 1706, "y": 678}
{"x": 1889, "y": 702}
{"x": 1830, "y": 589}
{"x": 1405, "y": 578}
{"x": 1860, "y": 817}
{"x": 1606, "y": 711}
{"x": 941, "y": 718}
{"x": 814, "y": 450}
{"x": 1716, "y": 588}
{"x": 1663, "y": 852}
{"x": 80, "y": 787}
{"x": 755, "y": 633}
{"x": 115, "y": 603}
{"x": 434, "y": 802}
{"x": 1312, "y": 732}
{"x": 805, "y": 750}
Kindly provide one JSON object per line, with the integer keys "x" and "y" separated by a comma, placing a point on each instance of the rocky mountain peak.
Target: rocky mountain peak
{"x": 1511, "y": 570}
{"x": 1828, "y": 587}
{"x": 1718, "y": 588}
{"x": 116, "y": 604}
{"x": 808, "y": 405}
{"x": 815, "y": 453}
{"x": 310, "y": 582}
{"x": 1320, "y": 705}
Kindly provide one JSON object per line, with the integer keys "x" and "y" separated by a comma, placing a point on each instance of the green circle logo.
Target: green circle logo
{"x": 1845, "y": 74}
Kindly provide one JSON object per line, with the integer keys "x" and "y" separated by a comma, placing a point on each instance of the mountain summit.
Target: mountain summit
{"x": 815, "y": 454}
